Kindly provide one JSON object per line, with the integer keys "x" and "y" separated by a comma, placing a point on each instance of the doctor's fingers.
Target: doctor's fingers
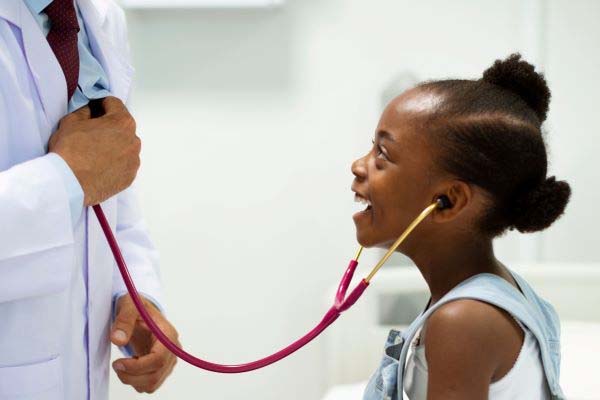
{"x": 124, "y": 324}
{"x": 139, "y": 366}
{"x": 148, "y": 382}
{"x": 81, "y": 114}
{"x": 113, "y": 105}
{"x": 159, "y": 359}
{"x": 122, "y": 123}
{"x": 152, "y": 362}
{"x": 145, "y": 383}
{"x": 114, "y": 109}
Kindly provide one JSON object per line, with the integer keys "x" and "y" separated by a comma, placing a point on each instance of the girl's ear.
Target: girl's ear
{"x": 459, "y": 195}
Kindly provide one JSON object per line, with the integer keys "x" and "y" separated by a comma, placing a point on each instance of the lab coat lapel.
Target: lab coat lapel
{"x": 114, "y": 61}
{"x": 45, "y": 69}
{"x": 10, "y": 10}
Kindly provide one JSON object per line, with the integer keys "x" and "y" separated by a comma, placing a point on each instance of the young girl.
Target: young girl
{"x": 485, "y": 333}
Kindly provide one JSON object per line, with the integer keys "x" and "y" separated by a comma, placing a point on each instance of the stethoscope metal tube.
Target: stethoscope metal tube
{"x": 341, "y": 303}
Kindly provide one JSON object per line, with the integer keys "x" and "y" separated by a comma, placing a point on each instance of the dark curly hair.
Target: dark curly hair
{"x": 488, "y": 133}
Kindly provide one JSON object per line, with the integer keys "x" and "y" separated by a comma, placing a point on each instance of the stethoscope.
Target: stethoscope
{"x": 341, "y": 303}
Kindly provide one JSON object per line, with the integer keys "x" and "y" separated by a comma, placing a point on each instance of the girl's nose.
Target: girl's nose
{"x": 359, "y": 168}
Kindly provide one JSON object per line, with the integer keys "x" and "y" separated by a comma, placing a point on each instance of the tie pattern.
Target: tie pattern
{"x": 63, "y": 39}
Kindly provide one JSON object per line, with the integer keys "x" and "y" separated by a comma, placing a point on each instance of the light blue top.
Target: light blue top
{"x": 92, "y": 84}
{"x": 525, "y": 306}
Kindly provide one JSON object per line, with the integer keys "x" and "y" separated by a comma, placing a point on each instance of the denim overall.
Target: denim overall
{"x": 527, "y": 307}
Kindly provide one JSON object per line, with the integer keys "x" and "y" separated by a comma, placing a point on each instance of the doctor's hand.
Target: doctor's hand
{"x": 102, "y": 152}
{"x": 152, "y": 362}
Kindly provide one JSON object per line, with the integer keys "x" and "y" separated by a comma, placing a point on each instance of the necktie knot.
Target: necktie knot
{"x": 62, "y": 15}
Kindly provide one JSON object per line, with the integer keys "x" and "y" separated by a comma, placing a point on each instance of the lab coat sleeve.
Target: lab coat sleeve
{"x": 36, "y": 236}
{"x": 74, "y": 189}
{"x": 138, "y": 250}
{"x": 139, "y": 253}
{"x": 131, "y": 231}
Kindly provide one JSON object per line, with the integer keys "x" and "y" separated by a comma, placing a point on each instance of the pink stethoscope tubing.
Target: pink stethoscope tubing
{"x": 341, "y": 303}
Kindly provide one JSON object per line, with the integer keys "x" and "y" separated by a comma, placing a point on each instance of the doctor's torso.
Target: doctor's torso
{"x": 56, "y": 283}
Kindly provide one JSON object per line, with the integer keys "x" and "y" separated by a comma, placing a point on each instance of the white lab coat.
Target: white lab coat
{"x": 37, "y": 254}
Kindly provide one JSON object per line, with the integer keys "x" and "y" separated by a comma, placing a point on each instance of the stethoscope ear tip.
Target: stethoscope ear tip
{"x": 443, "y": 202}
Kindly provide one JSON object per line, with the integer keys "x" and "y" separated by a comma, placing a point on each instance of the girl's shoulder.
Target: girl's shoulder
{"x": 472, "y": 332}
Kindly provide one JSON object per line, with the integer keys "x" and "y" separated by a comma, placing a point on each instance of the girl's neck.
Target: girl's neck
{"x": 444, "y": 267}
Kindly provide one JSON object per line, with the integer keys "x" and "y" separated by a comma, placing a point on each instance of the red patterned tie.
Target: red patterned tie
{"x": 63, "y": 39}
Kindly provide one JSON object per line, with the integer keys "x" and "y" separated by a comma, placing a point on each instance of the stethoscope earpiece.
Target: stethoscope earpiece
{"x": 443, "y": 202}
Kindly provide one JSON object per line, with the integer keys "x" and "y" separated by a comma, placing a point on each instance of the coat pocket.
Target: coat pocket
{"x": 36, "y": 381}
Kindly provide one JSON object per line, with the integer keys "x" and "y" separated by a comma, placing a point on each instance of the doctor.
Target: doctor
{"x": 61, "y": 298}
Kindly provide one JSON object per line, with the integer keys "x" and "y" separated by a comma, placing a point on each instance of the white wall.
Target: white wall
{"x": 250, "y": 121}
{"x": 573, "y": 72}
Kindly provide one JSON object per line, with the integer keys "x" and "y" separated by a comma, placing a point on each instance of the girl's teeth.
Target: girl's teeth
{"x": 359, "y": 199}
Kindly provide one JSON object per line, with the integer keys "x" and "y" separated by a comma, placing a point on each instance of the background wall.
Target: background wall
{"x": 250, "y": 120}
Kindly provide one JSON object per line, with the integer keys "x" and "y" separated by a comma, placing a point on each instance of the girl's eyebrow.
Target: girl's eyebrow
{"x": 385, "y": 135}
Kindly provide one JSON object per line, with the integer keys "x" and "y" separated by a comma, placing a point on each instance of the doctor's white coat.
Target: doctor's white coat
{"x": 37, "y": 246}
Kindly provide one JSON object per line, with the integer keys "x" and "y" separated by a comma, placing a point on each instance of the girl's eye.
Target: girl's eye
{"x": 378, "y": 151}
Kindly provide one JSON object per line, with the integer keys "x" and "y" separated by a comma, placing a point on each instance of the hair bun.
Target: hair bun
{"x": 520, "y": 77}
{"x": 540, "y": 207}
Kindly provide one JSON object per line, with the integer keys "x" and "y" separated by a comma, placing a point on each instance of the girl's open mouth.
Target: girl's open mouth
{"x": 362, "y": 200}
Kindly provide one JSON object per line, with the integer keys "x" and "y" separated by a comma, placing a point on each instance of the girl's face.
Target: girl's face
{"x": 395, "y": 177}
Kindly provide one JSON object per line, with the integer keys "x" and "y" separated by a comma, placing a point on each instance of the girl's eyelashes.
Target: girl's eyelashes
{"x": 379, "y": 151}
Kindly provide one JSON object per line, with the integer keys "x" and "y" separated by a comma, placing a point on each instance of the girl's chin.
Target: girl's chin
{"x": 363, "y": 220}
{"x": 366, "y": 233}
{"x": 368, "y": 239}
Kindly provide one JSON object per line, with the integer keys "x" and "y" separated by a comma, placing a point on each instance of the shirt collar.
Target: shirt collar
{"x": 37, "y": 6}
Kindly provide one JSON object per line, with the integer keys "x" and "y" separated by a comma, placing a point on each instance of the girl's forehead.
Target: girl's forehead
{"x": 416, "y": 101}
{"x": 402, "y": 115}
